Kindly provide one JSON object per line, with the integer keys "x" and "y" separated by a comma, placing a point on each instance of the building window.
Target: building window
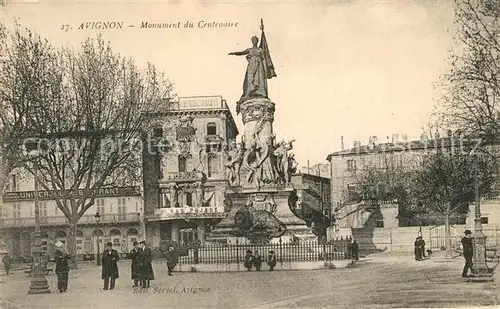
{"x": 121, "y": 208}
{"x": 16, "y": 210}
{"x": 351, "y": 165}
{"x": 352, "y": 193}
{"x": 484, "y": 220}
{"x": 14, "y": 183}
{"x": 212, "y": 166}
{"x": 158, "y": 132}
{"x": 380, "y": 223}
{"x": 211, "y": 128}
{"x": 43, "y": 209}
{"x": 100, "y": 205}
{"x": 189, "y": 199}
{"x": 182, "y": 164}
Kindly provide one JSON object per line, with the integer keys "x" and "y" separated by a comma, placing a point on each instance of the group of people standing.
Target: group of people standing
{"x": 255, "y": 260}
{"x": 141, "y": 268}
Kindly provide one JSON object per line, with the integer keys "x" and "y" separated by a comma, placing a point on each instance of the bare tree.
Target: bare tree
{"x": 87, "y": 113}
{"x": 472, "y": 86}
{"x": 19, "y": 69}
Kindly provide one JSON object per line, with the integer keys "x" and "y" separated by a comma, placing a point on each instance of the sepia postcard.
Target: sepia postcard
{"x": 250, "y": 154}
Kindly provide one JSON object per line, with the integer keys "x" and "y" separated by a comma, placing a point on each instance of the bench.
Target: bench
{"x": 47, "y": 271}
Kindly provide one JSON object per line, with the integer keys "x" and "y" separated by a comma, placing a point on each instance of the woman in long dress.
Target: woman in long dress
{"x": 255, "y": 84}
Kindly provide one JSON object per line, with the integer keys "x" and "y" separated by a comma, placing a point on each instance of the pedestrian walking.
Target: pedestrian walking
{"x": 110, "y": 266}
{"x": 248, "y": 260}
{"x": 271, "y": 260}
{"x": 147, "y": 265}
{"x": 468, "y": 252}
{"x": 134, "y": 268}
{"x": 6, "y": 260}
{"x": 171, "y": 260}
{"x": 62, "y": 267}
{"x": 257, "y": 260}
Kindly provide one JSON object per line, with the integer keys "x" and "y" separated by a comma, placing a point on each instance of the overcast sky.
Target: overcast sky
{"x": 346, "y": 68}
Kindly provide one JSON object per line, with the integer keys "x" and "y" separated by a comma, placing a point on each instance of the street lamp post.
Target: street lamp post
{"x": 38, "y": 281}
{"x": 97, "y": 220}
{"x": 479, "y": 268}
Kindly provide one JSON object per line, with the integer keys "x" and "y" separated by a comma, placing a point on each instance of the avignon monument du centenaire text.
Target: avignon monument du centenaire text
{"x": 117, "y": 25}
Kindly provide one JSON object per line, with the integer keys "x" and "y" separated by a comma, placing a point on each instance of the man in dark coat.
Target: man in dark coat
{"x": 109, "y": 266}
{"x": 134, "y": 269}
{"x": 355, "y": 250}
{"x": 417, "y": 250}
{"x": 148, "y": 264}
{"x": 171, "y": 260}
{"x": 248, "y": 260}
{"x": 6, "y": 263}
{"x": 257, "y": 260}
{"x": 62, "y": 267}
{"x": 271, "y": 260}
{"x": 468, "y": 252}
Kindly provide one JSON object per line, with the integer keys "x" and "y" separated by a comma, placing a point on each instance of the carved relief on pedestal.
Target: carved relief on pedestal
{"x": 257, "y": 109}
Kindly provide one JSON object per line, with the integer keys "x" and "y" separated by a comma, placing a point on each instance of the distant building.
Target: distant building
{"x": 401, "y": 152}
{"x": 320, "y": 169}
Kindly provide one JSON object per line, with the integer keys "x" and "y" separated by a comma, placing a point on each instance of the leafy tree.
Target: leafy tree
{"x": 444, "y": 184}
{"x": 87, "y": 111}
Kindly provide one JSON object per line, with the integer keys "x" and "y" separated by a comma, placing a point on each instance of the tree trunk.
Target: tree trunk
{"x": 71, "y": 241}
{"x": 447, "y": 233}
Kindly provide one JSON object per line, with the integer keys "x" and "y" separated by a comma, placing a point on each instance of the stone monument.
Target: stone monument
{"x": 261, "y": 198}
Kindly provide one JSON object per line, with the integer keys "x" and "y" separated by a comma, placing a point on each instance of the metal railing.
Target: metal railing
{"x": 285, "y": 252}
{"x": 62, "y": 220}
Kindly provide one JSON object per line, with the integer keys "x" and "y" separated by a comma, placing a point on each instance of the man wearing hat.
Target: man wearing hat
{"x": 62, "y": 267}
{"x": 248, "y": 260}
{"x": 147, "y": 271}
{"x": 468, "y": 252}
{"x": 134, "y": 268}
{"x": 171, "y": 260}
{"x": 109, "y": 266}
{"x": 271, "y": 260}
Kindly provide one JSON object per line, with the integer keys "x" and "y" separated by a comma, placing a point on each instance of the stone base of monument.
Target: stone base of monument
{"x": 273, "y": 201}
{"x": 232, "y": 267}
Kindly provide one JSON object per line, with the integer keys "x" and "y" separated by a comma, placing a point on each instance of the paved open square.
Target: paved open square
{"x": 379, "y": 281}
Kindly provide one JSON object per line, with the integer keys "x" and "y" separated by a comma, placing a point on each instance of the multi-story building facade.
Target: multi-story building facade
{"x": 185, "y": 186}
{"x": 119, "y": 208}
{"x": 346, "y": 163}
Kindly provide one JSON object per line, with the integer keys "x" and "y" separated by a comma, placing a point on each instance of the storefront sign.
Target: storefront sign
{"x": 49, "y": 195}
{"x": 189, "y": 212}
{"x": 200, "y": 102}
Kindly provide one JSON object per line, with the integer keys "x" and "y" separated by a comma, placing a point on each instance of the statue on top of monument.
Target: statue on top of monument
{"x": 260, "y": 68}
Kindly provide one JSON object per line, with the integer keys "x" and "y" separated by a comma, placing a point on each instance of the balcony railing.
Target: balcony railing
{"x": 62, "y": 220}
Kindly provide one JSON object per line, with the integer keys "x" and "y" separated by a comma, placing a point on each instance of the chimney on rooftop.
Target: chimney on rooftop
{"x": 395, "y": 138}
{"x": 342, "y": 143}
{"x": 405, "y": 138}
{"x": 357, "y": 145}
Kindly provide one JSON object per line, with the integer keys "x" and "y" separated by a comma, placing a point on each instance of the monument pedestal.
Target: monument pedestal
{"x": 272, "y": 200}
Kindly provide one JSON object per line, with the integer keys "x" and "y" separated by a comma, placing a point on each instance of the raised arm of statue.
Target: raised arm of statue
{"x": 240, "y": 53}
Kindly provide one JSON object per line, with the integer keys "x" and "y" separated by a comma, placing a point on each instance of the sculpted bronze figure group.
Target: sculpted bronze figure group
{"x": 266, "y": 163}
